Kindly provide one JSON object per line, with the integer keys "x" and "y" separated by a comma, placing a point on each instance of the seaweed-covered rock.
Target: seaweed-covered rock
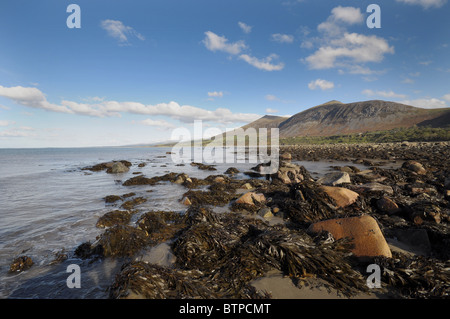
{"x": 160, "y": 225}
{"x": 290, "y": 173}
{"x": 21, "y": 263}
{"x": 416, "y": 277}
{"x": 122, "y": 240}
{"x": 231, "y": 171}
{"x": 116, "y": 217}
{"x": 364, "y": 231}
{"x": 117, "y": 168}
{"x": 132, "y": 203}
{"x": 415, "y": 166}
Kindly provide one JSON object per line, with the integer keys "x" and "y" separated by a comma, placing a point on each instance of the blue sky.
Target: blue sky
{"x": 136, "y": 70}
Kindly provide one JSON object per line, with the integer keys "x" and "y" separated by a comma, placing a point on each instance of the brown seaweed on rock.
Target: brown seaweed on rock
{"x": 122, "y": 241}
{"x": 115, "y": 217}
{"x": 160, "y": 225}
{"x": 416, "y": 277}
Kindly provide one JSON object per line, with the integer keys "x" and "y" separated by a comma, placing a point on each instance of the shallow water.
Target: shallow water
{"x": 48, "y": 204}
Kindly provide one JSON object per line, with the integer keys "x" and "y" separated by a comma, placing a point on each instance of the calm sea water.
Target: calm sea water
{"x": 48, "y": 204}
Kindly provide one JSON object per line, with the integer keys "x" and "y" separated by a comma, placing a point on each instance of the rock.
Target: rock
{"x": 232, "y": 170}
{"x": 374, "y": 187}
{"x": 219, "y": 179}
{"x": 247, "y": 186}
{"x": 417, "y": 239}
{"x": 387, "y": 205}
{"x": 289, "y": 173}
{"x": 118, "y": 168}
{"x": 275, "y": 210}
{"x": 134, "y": 202}
{"x": 366, "y": 236}
{"x": 116, "y": 217}
{"x": 20, "y": 264}
{"x": 335, "y": 178}
{"x": 250, "y": 198}
{"x": 265, "y": 213}
{"x": 286, "y": 157}
{"x": 186, "y": 201}
{"x": 415, "y": 167}
{"x": 342, "y": 196}
{"x": 112, "y": 198}
{"x": 142, "y": 164}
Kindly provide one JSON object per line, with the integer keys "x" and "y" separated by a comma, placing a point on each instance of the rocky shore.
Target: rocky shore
{"x": 236, "y": 231}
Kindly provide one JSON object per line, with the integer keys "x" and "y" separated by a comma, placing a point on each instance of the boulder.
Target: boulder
{"x": 289, "y": 173}
{"x": 186, "y": 201}
{"x": 265, "y": 213}
{"x": 335, "y": 178}
{"x": 367, "y": 238}
{"x": 251, "y": 198}
{"x": 342, "y": 196}
{"x": 118, "y": 168}
{"x": 387, "y": 205}
{"x": 415, "y": 167}
{"x": 374, "y": 187}
{"x": 286, "y": 157}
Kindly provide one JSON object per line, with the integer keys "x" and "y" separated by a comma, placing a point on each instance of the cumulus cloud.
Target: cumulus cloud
{"x": 32, "y": 97}
{"x": 352, "y": 48}
{"x": 338, "y": 48}
{"x": 271, "y": 111}
{"x": 119, "y": 31}
{"x": 384, "y": 94}
{"x": 271, "y": 97}
{"x": 282, "y": 38}
{"x": 263, "y": 64}
{"x": 214, "y": 42}
{"x": 6, "y": 123}
{"x": 425, "y": 3}
{"x": 245, "y": 27}
{"x": 320, "y": 84}
{"x": 446, "y": 97}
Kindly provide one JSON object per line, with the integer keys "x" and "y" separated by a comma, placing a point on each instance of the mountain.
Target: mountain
{"x": 336, "y": 118}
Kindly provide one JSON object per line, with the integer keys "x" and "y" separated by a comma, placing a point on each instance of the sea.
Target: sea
{"x": 50, "y": 205}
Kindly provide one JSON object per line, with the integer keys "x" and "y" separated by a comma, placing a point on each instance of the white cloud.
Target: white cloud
{"x": 271, "y": 111}
{"x": 338, "y": 48}
{"x": 282, "y": 38}
{"x": 157, "y": 123}
{"x": 119, "y": 31}
{"x": 426, "y": 103}
{"x": 425, "y": 3}
{"x": 32, "y": 97}
{"x": 263, "y": 64}
{"x": 214, "y": 42}
{"x": 6, "y": 123}
{"x": 320, "y": 84}
{"x": 384, "y": 94}
{"x": 408, "y": 81}
{"x": 245, "y": 27}
{"x": 270, "y": 97}
{"x": 16, "y": 133}
{"x": 446, "y": 97}
{"x": 426, "y": 63}
{"x": 215, "y": 94}
{"x": 352, "y": 48}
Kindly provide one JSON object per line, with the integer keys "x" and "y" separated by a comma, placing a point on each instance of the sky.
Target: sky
{"x": 134, "y": 71}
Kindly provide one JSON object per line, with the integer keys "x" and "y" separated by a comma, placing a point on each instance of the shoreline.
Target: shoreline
{"x": 205, "y": 240}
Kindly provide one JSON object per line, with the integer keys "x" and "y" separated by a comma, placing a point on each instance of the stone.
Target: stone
{"x": 265, "y": 213}
{"x": 247, "y": 186}
{"x": 417, "y": 239}
{"x": 289, "y": 173}
{"x": 335, "y": 178}
{"x": 415, "y": 167}
{"x": 219, "y": 179}
{"x": 387, "y": 205}
{"x": 286, "y": 157}
{"x": 367, "y": 238}
{"x": 374, "y": 187}
{"x": 118, "y": 168}
{"x": 342, "y": 196}
{"x": 250, "y": 198}
{"x": 186, "y": 201}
